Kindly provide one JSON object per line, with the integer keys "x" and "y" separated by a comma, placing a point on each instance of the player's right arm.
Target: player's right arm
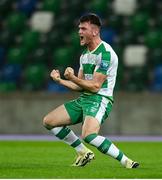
{"x": 55, "y": 74}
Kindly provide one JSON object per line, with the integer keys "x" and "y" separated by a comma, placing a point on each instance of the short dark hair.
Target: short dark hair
{"x": 92, "y": 18}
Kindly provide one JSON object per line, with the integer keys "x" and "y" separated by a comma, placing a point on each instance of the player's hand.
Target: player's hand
{"x": 55, "y": 74}
{"x": 69, "y": 72}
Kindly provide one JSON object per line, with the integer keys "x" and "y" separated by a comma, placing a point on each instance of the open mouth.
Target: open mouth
{"x": 81, "y": 38}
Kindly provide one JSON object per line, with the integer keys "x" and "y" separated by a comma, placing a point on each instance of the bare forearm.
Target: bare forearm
{"x": 93, "y": 85}
{"x": 70, "y": 85}
{"x": 85, "y": 84}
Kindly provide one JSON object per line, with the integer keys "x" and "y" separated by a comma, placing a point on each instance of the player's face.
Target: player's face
{"x": 85, "y": 33}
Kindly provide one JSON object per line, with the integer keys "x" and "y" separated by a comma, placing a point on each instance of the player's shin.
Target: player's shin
{"x": 68, "y": 136}
{"x": 106, "y": 146}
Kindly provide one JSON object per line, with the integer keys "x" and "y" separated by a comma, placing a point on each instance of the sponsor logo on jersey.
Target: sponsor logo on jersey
{"x": 104, "y": 65}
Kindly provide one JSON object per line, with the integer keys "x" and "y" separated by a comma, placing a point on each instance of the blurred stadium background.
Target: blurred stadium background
{"x": 39, "y": 35}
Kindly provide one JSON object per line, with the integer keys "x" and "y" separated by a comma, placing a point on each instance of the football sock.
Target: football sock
{"x": 106, "y": 146}
{"x": 68, "y": 136}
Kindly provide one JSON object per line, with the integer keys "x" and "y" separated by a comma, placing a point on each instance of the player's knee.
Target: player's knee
{"x": 46, "y": 123}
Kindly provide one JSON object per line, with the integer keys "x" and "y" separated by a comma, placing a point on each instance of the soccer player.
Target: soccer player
{"x": 95, "y": 80}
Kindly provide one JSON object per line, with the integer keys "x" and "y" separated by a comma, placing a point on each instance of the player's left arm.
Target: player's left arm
{"x": 93, "y": 85}
{"x": 99, "y": 76}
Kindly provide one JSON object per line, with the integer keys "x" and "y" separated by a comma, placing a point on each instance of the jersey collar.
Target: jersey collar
{"x": 94, "y": 49}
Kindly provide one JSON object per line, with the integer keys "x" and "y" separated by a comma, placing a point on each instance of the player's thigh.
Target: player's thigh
{"x": 96, "y": 110}
{"x": 90, "y": 126}
{"x": 57, "y": 117}
{"x": 75, "y": 111}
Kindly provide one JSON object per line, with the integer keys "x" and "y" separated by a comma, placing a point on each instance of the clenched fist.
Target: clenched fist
{"x": 69, "y": 72}
{"x": 55, "y": 74}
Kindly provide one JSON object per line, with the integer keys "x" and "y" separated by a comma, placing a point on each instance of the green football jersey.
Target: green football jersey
{"x": 104, "y": 60}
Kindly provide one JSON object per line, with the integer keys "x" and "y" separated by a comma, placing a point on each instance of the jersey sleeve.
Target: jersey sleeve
{"x": 104, "y": 64}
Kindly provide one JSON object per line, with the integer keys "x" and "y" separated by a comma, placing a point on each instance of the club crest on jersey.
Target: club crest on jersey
{"x": 104, "y": 65}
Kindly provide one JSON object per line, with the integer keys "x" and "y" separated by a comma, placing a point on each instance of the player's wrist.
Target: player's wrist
{"x": 58, "y": 80}
{"x": 72, "y": 76}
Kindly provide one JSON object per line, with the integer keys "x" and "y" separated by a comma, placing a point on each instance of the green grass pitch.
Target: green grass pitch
{"x": 46, "y": 159}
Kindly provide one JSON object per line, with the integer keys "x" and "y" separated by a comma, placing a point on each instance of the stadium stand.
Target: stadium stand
{"x": 38, "y": 35}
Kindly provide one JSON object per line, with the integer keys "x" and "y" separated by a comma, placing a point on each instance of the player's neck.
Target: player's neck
{"x": 93, "y": 44}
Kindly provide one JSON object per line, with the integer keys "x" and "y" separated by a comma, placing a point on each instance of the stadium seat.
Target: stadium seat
{"x": 26, "y": 6}
{"x": 115, "y": 22}
{"x": 51, "y": 5}
{"x": 39, "y": 55}
{"x": 6, "y": 38}
{"x": 5, "y": 7}
{"x": 16, "y": 22}
{"x": 135, "y": 55}
{"x": 108, "y": 34}
{"x": 30, "y": 39}
{"x": 35, "y": 77}
{"x": 128, "y": 37}
{"x": 140, "y": 22}
{"x": 159, "y": 21}
{"x": 6, "y": 87}
{"x": 118, "y": 48}
{"x": 74, "y": 40}
{"x": 57, "y": 88}
{"x": 69, "y": 6}
{"x": 65, "y": 21}
{"x": 42, "y": 21}
{"x": 156, "y": 84}
{"x": 99, "y": 7}
{"x": 62, "y": 57}
{"x": 16, "y": 55}
{"x": 147, "y": 6}
{"x": 135, "y": 79}
{"x": 154, "y": 57}
{"x": 53, "y": 38}
{"x": 124, "y": 7}
{"x": 2, "y": 55}
{"x": 153, "y": 39}
{"x": 11, "y": 73}
{"x": 119, "y": 79}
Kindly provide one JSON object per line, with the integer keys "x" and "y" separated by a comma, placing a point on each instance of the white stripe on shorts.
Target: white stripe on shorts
{"x": 102, "y": 109}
